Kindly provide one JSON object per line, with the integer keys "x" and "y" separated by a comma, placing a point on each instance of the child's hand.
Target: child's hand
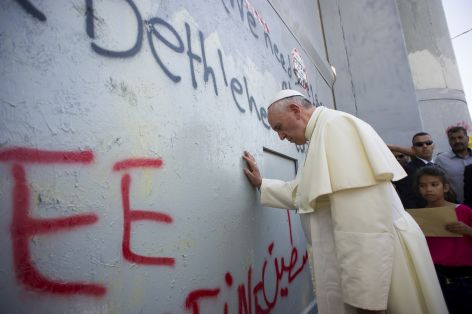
{"x": 460, "y": 228}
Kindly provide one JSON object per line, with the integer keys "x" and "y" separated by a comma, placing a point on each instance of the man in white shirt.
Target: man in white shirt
{"x": 455, "y": 161}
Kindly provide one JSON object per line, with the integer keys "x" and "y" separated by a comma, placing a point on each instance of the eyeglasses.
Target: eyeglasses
{"x": 420, "y": 144}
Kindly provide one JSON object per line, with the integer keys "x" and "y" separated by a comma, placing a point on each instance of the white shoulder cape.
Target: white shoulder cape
{"x": 336, "y": 162}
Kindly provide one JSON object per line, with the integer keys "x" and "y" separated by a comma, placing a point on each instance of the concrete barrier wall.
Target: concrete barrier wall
{"x": 121, "y": 184}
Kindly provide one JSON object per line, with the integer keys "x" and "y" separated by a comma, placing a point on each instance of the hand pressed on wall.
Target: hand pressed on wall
{"x": 252, "y": 171}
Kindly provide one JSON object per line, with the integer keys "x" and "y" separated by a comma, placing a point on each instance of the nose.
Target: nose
{"x": 282, "y": 135}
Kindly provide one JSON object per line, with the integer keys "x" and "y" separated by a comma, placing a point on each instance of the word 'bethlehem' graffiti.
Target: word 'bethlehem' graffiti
{"x": 23, "y": 227}
{"x": 162, "y": 38}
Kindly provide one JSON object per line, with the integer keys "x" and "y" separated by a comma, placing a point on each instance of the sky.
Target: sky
{"x": 459, "y": 20}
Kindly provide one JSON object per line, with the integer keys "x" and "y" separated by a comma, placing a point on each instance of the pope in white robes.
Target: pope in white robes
{"x": 368, "y": 254}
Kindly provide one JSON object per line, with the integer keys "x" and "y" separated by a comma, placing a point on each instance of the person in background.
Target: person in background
{"x": 454, "y": 161}
{"x": 401, "y": 149}
{"x": 369, "y": 255}
{"x": 403, "y": 159}
{"x": 468, "y": 185}
{"x": 452, "y": 256}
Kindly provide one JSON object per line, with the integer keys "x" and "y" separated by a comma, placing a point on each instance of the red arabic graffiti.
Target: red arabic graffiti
{"x": 191, "y": 302}
{"x": 23, "y": 226}
{"x": 263, "y": 304}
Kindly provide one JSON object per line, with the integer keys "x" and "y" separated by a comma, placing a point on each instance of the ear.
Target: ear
{"x": 295, "y": 109}
{"x": 446, "y": 188}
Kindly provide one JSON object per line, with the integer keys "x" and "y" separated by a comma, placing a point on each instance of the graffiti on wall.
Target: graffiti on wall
{"x": 32, "y": 10}
{"x": 256, "y": 293}
{"x": 24, "y": 226}
{"x": 257, "y": 298}
{"x": 299, "y": 68}
{"x": 257, "y": 14}
{"x": 157, "y": 28}
{"x": 283, "y": 59}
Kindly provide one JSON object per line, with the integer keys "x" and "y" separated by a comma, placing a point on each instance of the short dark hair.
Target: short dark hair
{"x": 435, "y": 171}
{"x": 456, "y": 129}
{"x": 418, "y": 134}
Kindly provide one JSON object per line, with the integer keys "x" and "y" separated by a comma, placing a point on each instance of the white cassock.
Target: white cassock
{"x": 367, "y": 251}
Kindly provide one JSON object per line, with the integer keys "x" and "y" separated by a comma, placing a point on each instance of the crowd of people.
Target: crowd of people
{"x": 436, "y": 181}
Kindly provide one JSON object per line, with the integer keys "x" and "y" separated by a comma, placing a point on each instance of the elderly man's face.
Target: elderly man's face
{"x": 288, "y": 125}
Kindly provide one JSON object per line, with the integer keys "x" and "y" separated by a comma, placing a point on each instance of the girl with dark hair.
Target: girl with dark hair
{"x": 452, "y": 256}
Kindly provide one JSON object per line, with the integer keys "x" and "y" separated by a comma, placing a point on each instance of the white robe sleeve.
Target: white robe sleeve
{"x": 363, "y": 227}
{"x": 277, "y": 193}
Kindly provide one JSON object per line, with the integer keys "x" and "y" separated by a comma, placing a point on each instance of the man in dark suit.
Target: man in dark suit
{"x": 423, "y": 148}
